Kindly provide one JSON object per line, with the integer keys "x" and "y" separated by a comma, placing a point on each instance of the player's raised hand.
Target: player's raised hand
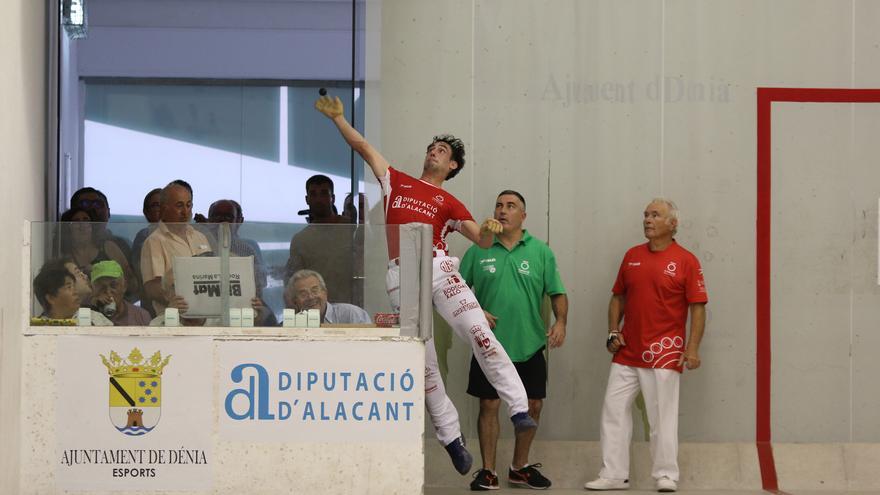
{"x": 331, "y": 107}
{"x": 492, "y": 226}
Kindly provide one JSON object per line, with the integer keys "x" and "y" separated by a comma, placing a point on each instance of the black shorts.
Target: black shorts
{"x": 533, "y": 374}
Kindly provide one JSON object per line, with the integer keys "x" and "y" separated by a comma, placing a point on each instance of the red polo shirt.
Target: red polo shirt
{"x": 658, "y": 288}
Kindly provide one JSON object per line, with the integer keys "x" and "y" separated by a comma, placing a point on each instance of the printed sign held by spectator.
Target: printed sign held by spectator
{"x": 197, "y": 279}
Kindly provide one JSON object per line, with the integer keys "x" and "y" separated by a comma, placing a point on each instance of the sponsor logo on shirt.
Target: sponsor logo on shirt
{"x": 664, "y": 353}
{"x": 452, "y": 291}
{"x": 634, "y": 263}
{"x": 489, "y": 268}
{"x": 671, "y": 267}
{"x": 447, "y": 266}
{"x": 406, "y": 186}
{"x": 416, "y": 205}
{"x": 487, "y": 260}
{"x": 524, "y": 267}
{"x": 480, "y": 337}
{"x": 439, "y": 199}
{"x": 464, "y": 305}
{"x": 452, "y": 280}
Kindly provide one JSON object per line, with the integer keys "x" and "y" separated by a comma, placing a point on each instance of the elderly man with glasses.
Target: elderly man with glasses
{"x": 306, "y": 290}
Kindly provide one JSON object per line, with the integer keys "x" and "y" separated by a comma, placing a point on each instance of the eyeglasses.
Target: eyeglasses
{"x": 220, "y": 218}
{"x": 313, "y": 292}
{"x": 91, "y": 203}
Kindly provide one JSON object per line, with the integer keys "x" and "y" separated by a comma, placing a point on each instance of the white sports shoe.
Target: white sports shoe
{"x": 601, "y": 484}
{"x": 664, "y": 484}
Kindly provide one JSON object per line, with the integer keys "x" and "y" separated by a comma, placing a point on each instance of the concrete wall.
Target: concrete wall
{"x": 591, "y": 108}
{"x": 22, "y": 139}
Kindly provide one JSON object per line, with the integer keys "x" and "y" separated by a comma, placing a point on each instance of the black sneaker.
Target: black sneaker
{"x": 523, "y": 422}
{"x": 460, "y": 456}
{"x": 484, "y": 480}
{"x": 528, "y": 477}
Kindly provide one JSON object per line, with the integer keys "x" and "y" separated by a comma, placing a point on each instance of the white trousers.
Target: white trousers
{"x": 660, "y": 389}
{"x": 456, "y": 303}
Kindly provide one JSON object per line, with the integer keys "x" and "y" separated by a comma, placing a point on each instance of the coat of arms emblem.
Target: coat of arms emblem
{"x": 135, "y": 391}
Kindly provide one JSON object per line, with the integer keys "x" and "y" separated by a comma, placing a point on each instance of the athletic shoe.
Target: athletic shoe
{"x": 460, "y": 456}
{"x": 522, "y": 422}
{"x": 664, "y": 484}
{"x": 484, "y": 480}
{"x": 601, "y": 484}
{"x": 528, "y": 477}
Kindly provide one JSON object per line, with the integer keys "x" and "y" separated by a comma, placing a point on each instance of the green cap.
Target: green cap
{"x": 106, "y": 269}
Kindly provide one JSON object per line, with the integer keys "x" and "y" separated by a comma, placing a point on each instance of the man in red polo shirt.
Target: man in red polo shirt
{"x": 423, "y": 200}
{"x": 657, "y": 284}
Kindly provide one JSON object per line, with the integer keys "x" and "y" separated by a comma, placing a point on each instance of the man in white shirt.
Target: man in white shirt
{"x": 306, "y": 290}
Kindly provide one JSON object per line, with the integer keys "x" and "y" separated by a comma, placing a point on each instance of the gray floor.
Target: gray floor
{"x": 520, "y": 491}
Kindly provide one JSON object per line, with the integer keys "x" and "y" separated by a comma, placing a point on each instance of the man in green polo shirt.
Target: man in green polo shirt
{"x": 510, "y": 280}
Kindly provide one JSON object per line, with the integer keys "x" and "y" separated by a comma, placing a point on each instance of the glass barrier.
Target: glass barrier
{"x": 247, "y": 274}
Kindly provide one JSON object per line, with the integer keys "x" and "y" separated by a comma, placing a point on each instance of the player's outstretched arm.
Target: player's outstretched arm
{"x": 481, "y": 235}
{"x": 332, "y": 108}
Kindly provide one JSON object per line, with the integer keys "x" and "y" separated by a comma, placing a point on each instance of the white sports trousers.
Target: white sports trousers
{"x": 456, "y": 303}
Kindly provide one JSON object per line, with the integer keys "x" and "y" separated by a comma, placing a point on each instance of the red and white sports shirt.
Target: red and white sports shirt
{"x": 658, "y": 288}
{"x": 411, "y": 200}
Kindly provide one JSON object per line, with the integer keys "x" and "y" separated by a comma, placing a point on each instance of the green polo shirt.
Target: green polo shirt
{"x": 511, "y": 285}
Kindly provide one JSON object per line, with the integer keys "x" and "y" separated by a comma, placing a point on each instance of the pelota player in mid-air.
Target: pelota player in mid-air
{"x": 422, "y": 200}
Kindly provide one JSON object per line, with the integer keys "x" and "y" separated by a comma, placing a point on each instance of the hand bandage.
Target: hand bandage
{"x": 492, "y": 225}
{"x": 331, "y": 107}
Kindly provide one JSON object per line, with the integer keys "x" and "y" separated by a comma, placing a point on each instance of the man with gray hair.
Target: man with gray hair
{"x": 658, "y": 283}
{"x": 172, "y": 238}
{"x": 306, "y": 290}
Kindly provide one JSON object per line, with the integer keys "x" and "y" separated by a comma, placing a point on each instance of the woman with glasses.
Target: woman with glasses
{"x": 76, "y": 238}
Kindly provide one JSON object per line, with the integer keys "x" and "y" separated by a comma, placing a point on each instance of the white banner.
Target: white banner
{"x": 321, "y": 391}
{"x": 134, "y": 413}
{"x": 197, "y": 279}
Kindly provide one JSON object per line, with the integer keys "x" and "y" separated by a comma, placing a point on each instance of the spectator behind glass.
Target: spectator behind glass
{"x": 81, "y": 280}
{"x": 334, "y": 251}
{"x": 108, "y": 291}
{"x": 55, "y": 290}
{"x": 82, "y": 284}
{"x": 306, "y": 290}
{"x": 152, "y": 213}
{"x": 173, "y": 237}
{"x": 353, "y": 214}
{"x": 79, "y": 242}
{"x": 95, "y": 202}
{"x": 322, "y": 200}
{"x": 229, "y": 211}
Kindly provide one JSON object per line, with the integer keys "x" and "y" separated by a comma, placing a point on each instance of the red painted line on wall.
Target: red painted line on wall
{"x": 768, "y": 467}
{"x": 762, "y": 313}
{"x": 765, "y": 99}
